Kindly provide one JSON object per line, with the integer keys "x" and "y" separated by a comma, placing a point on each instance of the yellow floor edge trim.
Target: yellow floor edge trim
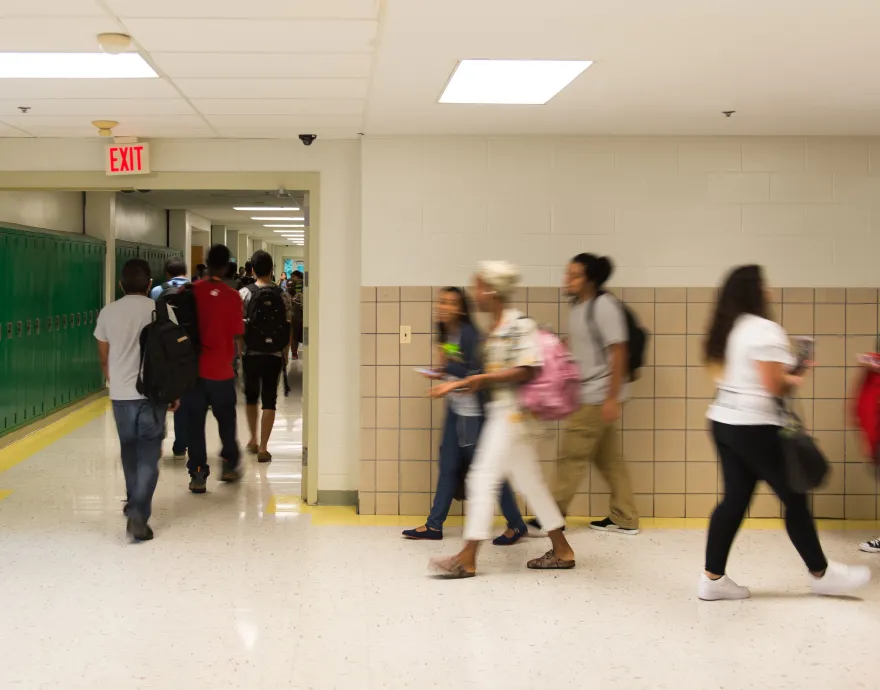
{"x": 346, "y": 516}
{"x": 21, "y": 450}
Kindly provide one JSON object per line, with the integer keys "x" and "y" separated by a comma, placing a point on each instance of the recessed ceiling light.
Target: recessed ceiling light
{"x": 74, "y": 66}
{"x": 510, "y": 82}
{"x": 275, "y": 225}
{"x": 268, "y": 209}
{"x": 288, "y": 232}
{"x": 279, "y": 218}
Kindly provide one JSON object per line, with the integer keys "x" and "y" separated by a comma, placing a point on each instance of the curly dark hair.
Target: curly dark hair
{"x": 742, "y": 293}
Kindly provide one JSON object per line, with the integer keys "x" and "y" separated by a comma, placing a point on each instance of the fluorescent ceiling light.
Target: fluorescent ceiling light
{"x": 510, "y": 82}
{"x": 74, "y": 66}
{"x": 274, "y": 225}
{"x": 272, "y": 209}
{"x": 279, "y": 218}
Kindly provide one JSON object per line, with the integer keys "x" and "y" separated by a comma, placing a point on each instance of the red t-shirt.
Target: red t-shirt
{"x": 220, "y": 320}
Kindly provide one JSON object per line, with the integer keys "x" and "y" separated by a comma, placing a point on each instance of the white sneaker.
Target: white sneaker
{"x": 840, "y": 579}
{"x": 721, "y": 589}
{"x": 872, "y": 546}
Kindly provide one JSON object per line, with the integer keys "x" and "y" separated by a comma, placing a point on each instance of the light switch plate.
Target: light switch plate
{"x": 405, "y": 335}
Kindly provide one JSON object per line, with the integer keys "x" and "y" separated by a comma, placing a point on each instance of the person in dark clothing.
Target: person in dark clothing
{"x": 459, "y": 344}
{"x": 201, "y": 272}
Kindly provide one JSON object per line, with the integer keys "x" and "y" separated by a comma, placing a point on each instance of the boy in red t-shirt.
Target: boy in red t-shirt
{"x": 220, "y": 326}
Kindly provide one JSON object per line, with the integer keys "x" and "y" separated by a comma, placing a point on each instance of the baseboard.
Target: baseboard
{"x": 43, "y": 422}
{"x": 337, "y": 498}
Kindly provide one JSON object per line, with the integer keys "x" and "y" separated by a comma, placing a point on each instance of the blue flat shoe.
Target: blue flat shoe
{"x": 510, "y": 541}
{"x": 428, "y": 535}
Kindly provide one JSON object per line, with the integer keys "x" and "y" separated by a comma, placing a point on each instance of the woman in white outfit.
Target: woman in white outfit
{"x": 506, "y": 449}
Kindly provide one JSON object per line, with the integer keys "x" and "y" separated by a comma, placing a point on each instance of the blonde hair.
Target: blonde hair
{"x": 500, "y": 276}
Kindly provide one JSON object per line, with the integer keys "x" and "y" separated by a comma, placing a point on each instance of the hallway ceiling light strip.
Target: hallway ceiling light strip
{"x": 74, "y": 66}
{"x": 279, "y": 218}
{"x": 510, "y": 82}
{"x": 266, "y": 209}
{"x": 274, "y": 225}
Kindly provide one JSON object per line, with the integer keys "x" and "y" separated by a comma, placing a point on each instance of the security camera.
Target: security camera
{"x": 308, "y": 139}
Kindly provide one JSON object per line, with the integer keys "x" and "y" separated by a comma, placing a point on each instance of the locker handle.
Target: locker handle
{"x": 64, "y": 322}
{"x": 57, "y": 323}
{"x": 79, "y": 319}
{"x": 9, "y": 328}
{"x": 36, "y": 327}
{"x": 49, "y": 325}
{"x": 19, "y": 329}
{"x": 28, "y": 328}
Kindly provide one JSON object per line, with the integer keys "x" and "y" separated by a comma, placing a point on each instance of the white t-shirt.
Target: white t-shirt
{"x": 120, "y": 324}
{"x": 742, "y": 399}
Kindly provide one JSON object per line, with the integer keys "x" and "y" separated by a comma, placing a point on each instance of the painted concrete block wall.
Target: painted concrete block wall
{"x": 59, "y": 211}
{"x": 671, "y": 211}
{"x": 138, "y": 221}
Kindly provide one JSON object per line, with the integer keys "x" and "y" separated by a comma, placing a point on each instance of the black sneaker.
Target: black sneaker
{"x": 198, "y": 482}
{"x": 230, "y": 474}
{"x": 535, "y": 529}
{"x": 872, "y": 546}
{"x": 608, "y": 525}
{"x": 139, "y": 529}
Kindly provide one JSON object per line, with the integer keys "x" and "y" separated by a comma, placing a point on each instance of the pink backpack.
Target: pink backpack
{"x": 555, "y": 392}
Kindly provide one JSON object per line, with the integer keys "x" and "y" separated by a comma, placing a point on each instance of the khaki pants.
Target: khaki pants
{"x": 587, "y": 439}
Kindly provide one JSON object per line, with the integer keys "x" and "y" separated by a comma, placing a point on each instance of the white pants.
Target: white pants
{"x": 506, "y": 451}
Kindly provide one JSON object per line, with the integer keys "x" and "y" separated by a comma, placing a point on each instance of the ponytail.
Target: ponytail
{"x": 598, "y": 269}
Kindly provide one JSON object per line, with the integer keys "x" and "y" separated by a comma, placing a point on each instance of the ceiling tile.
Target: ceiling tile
{"x": 253, "y": 35}
{"x": 273, "y": 88}
{"x": 264, "y": 65}
{"x": 282, "y": 106}
{"x": 51, "y": 8}
{"x": 298, "y": 9}
{"x": 6, "y": 131}
{"x": 277, "y": 133}
{"x": 107, "y": 107}
{"x": 302, "y": 123}
{"x": 53, "y": 34}
{"x": 34, "y": 123}
{"x": 88, "y": 132}
{"x": 27, "y": 89}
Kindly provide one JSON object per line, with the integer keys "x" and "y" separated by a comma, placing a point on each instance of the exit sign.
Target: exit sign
{"x": 128, "y": 159}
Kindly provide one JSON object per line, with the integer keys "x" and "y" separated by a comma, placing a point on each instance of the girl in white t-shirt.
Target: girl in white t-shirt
{"x": 755, "y": 366}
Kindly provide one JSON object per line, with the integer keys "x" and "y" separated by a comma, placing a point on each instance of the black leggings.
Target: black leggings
{"x": 749, "y": 454}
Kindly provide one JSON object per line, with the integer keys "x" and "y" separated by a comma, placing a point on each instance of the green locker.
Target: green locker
{"x": 6, "y": 401}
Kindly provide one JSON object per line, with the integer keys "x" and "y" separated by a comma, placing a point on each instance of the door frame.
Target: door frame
{"x": 94, "y": 181}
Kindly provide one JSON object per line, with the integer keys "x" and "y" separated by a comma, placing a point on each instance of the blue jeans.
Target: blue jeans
{"x": 220, "y": 395}
{"x": 141, "y": 428}
{"x": 457, "y": 431}
{"x": 180, "y": 432}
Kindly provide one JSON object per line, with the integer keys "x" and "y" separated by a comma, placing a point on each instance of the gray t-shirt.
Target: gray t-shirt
{"x": 120, "y": 324}
{"x": 610, "y": 324}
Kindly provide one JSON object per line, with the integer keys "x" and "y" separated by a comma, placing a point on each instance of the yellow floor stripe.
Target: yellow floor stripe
{"x": 24, "y": 448}
{"x": 4, "y": 493}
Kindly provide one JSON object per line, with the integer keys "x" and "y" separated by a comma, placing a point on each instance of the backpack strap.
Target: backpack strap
{"x": 595, "y": 331}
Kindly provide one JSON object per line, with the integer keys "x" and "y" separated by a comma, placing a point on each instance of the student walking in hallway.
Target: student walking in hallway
{"x": 267, "y": 313}
{"x": 220, "y": 326}
{"x": 598, "y": 339}
{"x": 139, "y": 423}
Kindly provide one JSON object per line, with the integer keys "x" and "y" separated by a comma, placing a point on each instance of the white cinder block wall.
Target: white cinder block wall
{"x": 670, "y": 211}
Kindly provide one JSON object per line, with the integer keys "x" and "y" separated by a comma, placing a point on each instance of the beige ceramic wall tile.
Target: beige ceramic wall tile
{"x": 416, "y": 505}
{"x": 669, "y": 477}
{"x": 857, "y": 345}
{"x": 415, "y": 413}
{"x": 388, "y": 318}
{"x": 438, "y": 413}
{"x": 368, "y": 413}
{"x": 670, "y": 382}
{"x": 830, "y": 319}
{"x": 670, "y": 295}
{"x": 368, "y": 382}
{"x": 418, "y": 353}
{"x": 644, "y": 386}
{"x": 829, "y": 415}
{"x": 644, "y": 313}
{"x": 413, "y": 384}
{"x": 798, "y": 295}
{"x": 368, "y": 317}
{"x": 701, "y": 478}
{"x": 366, "y": 503}
{"x": 545, "y": 315}
{"x": 859, "y": 479}
{"x": 854, "y": 450}
{"x": 564, "y": 312}
{"x": 387, "y": 475}
{"x": 700, "y": 447}
{"x": 419, "y": 316}
{"x": 638, "y": 414}
{"x": 860, "y": 507}
{"x": 698, "y": 316}
{"x": 830, "y": 295}
{"x": 861, "y": 319}
{"x": 416, "y": 294}
{"x": 700, "y": 505}
{"x": 368, "y": 294}
{"x": 543, "y": 294}
{"x": 830, "y": 351}
{"x": 670, "y": 319}
{"x": 669, "y": 446}
{"x": 701, "y": 295}
{"x": 638, "y": 445}
{"x": 368, "y": 475}
{"x": 388, "y": 382}
{"x": 645, "y": 505}
{"x": 670, "y": 350}
{"x": 580, "y": 506}
{"x": 696, "y": 413}
{"x": 387, "y": 413}
{"x": 368, "y": 444}
{"x": 387, "y": 504}
{"x": 765, "y": 506}
{"x": 595, "y": 484}
{"x": 700, "y": 383}
{"x": 797, "y": 319}
{"x": 387, "y": 444}
{"x": 388, "y": 294}
{"x": 669, "y": 413}
{"x": 669, "y": 505}
{"x": 388, "y": 350}
{"x": 415, "y": 477}
{"x": 641, "y": 476}
{"x": 828, "y": 507}
{"x": 861, "y": 295}
{"x": 415, "y": 444}
{"x": 635, "y": 295}
{"x": 829, "y": 382}
{"x": 368, "y": 350}
{"x": 835, "y": 481}
{"x": 599, "y": 505}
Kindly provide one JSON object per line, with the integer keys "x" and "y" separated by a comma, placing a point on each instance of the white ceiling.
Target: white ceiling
{"x": 277, "y": 68}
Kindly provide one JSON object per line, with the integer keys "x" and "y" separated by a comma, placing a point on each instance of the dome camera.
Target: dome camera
{"x": 308, "y": 139}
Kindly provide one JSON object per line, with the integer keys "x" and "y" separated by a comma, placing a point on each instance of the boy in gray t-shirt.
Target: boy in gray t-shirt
{"x": 598, "y": 340}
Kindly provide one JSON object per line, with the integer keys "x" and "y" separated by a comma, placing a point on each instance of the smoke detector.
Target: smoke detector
{"x": 114, "y": 44}
{"x": 105, "y": 127}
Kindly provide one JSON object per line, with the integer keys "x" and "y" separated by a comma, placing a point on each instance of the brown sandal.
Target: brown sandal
{"x": 549, "y": 561}
{"x": 252, "y": 448}
{"x": 450, "y": 568}
{"x": 264, "y": 457}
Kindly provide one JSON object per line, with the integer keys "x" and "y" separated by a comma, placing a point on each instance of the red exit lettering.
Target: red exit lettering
{"x": 127, "y": 159}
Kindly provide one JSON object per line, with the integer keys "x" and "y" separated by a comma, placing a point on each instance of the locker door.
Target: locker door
{"x": 48, "y": 327}
{"x": 64, "y": 276}
{"x": 35, "y": 321}
{"x": 79, "y": 346}
{"x": 6, "y": 384}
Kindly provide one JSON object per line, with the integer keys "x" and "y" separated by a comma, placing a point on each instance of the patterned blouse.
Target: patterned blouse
{"x": 514, "y": 343}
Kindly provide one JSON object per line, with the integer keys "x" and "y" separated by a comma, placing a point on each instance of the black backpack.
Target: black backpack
{"x": 169, "y": 363}
{"x": 636, "y": 339}
{"x": 266, "y": 329}
{"x": 183, "y": 299}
